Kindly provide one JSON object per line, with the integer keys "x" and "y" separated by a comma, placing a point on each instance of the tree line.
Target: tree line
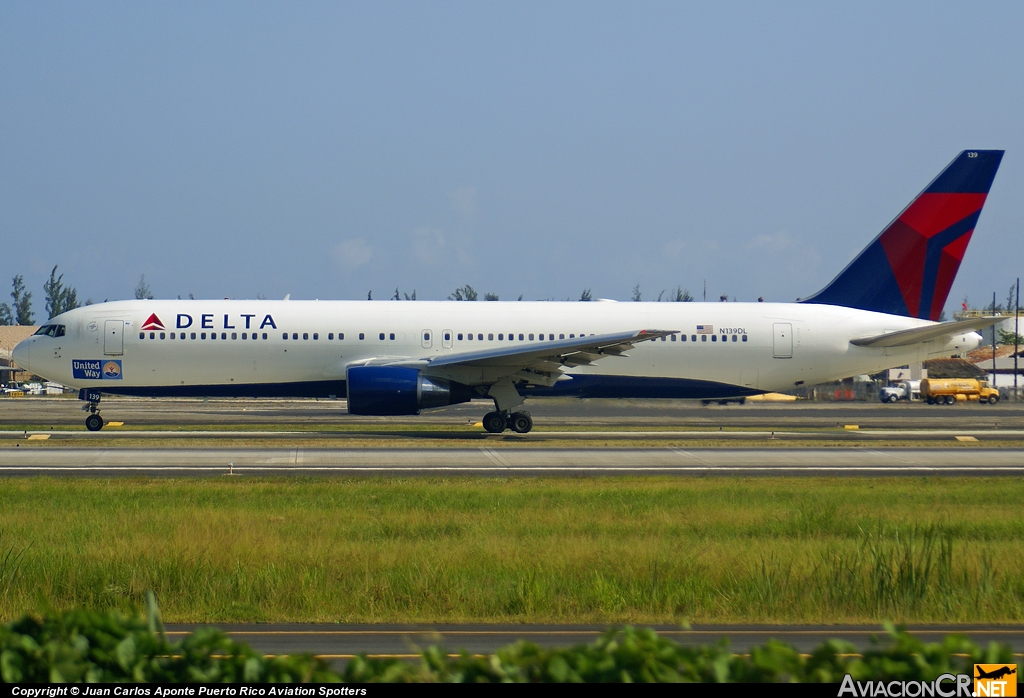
{"x": 59, "y": 297}
{"x": 468, "y": 293}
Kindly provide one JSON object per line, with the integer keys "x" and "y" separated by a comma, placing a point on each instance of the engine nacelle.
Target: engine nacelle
{"x": 395, "y": 390}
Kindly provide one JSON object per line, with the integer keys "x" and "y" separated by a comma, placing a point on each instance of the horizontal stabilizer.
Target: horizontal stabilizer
{"x": 919, "y": 335}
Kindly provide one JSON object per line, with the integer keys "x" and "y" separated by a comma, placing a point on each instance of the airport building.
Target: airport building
{"x": 10, "y": 335}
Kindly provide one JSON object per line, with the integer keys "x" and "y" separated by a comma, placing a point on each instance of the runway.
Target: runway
{"x": 471, "y": 435}
{"x": 498, "y": 461}
{"x": 341, "y": 642}
{"x": 548, "y": 413}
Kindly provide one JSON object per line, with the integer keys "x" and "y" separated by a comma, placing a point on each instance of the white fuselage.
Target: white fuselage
{"x": 236, "y": 347}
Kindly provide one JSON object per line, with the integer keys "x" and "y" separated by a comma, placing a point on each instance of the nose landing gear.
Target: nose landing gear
{"x": 497, "y": 422}
{"x": 94, "y": 422}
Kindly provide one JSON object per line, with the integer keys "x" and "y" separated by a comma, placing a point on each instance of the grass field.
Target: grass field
{"x": 597, "y": 550}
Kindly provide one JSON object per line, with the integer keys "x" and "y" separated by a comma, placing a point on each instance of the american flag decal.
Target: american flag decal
{"x": 705, "y": 329}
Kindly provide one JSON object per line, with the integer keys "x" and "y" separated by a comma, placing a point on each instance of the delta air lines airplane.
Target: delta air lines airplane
{"x": 398, "y": 358}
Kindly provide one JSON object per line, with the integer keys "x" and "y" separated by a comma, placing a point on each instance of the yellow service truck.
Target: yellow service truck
{"x": 946, "y": 391}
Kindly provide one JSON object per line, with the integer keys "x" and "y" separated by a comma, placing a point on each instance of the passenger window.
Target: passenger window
{"x": 234, "y": 335}
{"x": 172, "y": 335}
{"x": 152, "y": 335}
{"x": 330, "y": 335}
{"x": 501, "y": 336}
{"x": 426, "y": 336}
{"x": 264, "y": 335}
{"x": 381, "y": 336}
{"x": 459, "y": 336}
{"x": 295, "y": 335}
{"x": 572, "y": 336}
{"x": 673, "y": 338}
{"x": 362, "y": 336}
{"x": 744, "y": 338}
{"x": 531, "y": 337}
{"x": 142, "y": 335}
{"x": 663, "y": 339}
{"x": 391, "y": 336}
{"x": 447, "y": 336}
{"x": 213, "y": 335}
{"x": 163, "y": 336}
{"x": 734, "y": 338}
{"x": 693, "y": 338}
{"x": 245, "y": 335}
{"x": 194, "y": 336}
{"x": 284, "y": 335}
{"x": 341, "y": 335}
{"x": 202, "y": 335}
{"x": 470, "y": 336}
{"x": 714, "y": 338}
{"x": 703, "y": 338}
{"x": 551, "y": 337}
{"x": 561, "y": 336}
{"x": 490, "y": 337}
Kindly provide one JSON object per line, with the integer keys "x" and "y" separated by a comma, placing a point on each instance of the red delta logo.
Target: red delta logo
{"x": 152, "y": 323}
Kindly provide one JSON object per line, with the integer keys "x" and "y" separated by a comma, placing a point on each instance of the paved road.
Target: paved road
{"x": 550, "y": 413}
{"x": 845, "y": 435}
{"x": 343, "y": 641}
{"x": 520, "y": 461}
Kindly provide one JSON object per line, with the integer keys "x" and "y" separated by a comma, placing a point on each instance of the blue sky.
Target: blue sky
{"x": 325, "y": 149}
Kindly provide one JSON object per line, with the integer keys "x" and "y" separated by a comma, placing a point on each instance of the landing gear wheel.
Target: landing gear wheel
{"x": 94, "y": 422}
{"x": 494, "y": 422}
{"x": 521, "y": 422}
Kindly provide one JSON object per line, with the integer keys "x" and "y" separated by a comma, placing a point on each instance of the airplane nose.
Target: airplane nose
{"x": 22, "y": 354}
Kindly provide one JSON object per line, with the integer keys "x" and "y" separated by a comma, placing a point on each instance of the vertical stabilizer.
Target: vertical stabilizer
{"x": 909, "y": 268}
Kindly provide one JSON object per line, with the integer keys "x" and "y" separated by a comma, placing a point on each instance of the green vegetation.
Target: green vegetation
{"x": 601, "y": 550}
{"x": 83, "y": 645}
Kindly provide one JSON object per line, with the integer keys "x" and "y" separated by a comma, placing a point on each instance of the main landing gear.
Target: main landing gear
{"x": 497, "y": 422}
{"x": 94, "y": 422}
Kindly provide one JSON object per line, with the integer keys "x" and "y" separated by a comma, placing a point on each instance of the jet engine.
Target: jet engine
{"x": 396, "y": 390}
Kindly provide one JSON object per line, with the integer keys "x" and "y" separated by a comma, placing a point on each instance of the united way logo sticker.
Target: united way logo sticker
{"x": 96, "y": 369}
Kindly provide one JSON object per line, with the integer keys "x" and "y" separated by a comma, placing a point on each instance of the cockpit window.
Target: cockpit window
{"x": 51, "y": 330}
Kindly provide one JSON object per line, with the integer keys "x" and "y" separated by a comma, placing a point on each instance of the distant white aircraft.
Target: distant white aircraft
{"x": 397, "y": 358}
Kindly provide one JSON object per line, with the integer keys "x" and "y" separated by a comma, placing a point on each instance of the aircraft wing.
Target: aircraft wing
{"x": 536, "y": 362}
{"x": 918, "y": 335}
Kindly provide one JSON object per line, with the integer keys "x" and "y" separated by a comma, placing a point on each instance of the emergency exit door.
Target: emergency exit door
{"x": 783, "y": 344}
{"x": 113, "y": 337}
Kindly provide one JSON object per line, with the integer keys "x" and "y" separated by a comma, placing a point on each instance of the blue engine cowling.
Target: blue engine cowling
{"x": 395, "y": 390}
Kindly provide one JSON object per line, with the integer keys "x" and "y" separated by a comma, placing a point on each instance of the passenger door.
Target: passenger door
{"x": 782, "y": 347}
{"x": 113, "y": 337}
